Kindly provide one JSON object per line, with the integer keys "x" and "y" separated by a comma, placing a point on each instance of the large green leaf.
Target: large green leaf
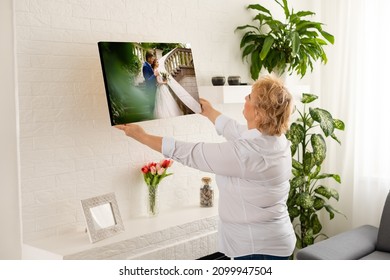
{"x": 308, "y": 98}
{"x": 319, "y": 148}
{"x": 305, "y": 201}
{"x": 306, "y": 24}
{"x": 297, "y": 182}
{"x": 308, "y": 162}
{"x": 246, "y": 26}
{"x": 324, "y": 118}
{"x": 276, "y": 27}
{"x": 331, "y": 211}
{"x": 293, "y": 148}
{"x": 251, "y": 38}
{"x": 318, "y": 203}
{"x": 296, "y": 43}
{"x": 296, "y": 133}
{"x": 298, "y": 244}
{"x": 263, "y": 19}
{"x": 309, "y": 35}
{"x": 309, "y": 122}
{"x": 296, "y": 164}
{"x": 304, "y": 13}
{"x": 320, "y": 42}
{"x": 327, "y": 36}
{"x": 308, "y": 238}
{"x": 294, "y": 212}
{"x": 338, "y": 124}
{"x": 259, "y": 8}
{"x": 315, "y": 224}
{"x": 327, "y": 192}
{"x": 248, "y": 50}
{"x": 266, "y": 47}
{"x": 285, "y": 8}
{"x": 326, "y": 175}
{"x": 335, "y": 138}
{"x": 316, "y": 172}
{"x": 255, "y": 65}
{"x": 296, "y": 172}
{"x": 291, "y": 197}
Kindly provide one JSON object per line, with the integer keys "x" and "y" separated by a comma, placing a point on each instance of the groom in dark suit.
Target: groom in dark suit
{"x": 150, "y": 78}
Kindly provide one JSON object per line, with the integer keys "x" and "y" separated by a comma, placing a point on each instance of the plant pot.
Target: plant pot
{"x": 218, "y": 80}
{"x": 234, "y": 80}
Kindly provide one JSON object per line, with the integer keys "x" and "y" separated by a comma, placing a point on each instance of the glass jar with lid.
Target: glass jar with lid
{"x": 206, "y": 193}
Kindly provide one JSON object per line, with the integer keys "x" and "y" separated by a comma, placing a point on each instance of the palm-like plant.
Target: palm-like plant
{"x": 277, "y": 46}
{"x": 308, "y": 148}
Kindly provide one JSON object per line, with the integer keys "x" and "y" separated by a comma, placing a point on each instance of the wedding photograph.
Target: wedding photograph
{"x": 146, "y": 81}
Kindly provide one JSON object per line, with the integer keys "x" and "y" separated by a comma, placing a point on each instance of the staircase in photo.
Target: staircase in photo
{"x": 179, "y": 64}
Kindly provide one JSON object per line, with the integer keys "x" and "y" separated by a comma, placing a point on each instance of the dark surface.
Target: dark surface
{"x": 218, "y": 80}
{"x": 234, "y": 80}
{"x": 215, "y": 256}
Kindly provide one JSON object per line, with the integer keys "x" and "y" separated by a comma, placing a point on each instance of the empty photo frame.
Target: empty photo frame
{"x": 102, "y": 217}
{"x": 147, "y": 81}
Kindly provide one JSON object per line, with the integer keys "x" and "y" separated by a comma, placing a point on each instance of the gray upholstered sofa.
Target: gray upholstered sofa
{"x": 366, "y": 242}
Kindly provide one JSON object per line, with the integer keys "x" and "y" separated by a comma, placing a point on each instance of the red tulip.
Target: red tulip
{"x": 166, "y": 163}
{"x": 145, "y": 169}
{"x": 154, "y": 172}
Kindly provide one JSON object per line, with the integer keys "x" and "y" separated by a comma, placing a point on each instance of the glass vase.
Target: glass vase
{"x": 153, "y": 201}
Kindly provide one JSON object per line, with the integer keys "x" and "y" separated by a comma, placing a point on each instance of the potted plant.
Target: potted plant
{"x": 308, "y": 148}
{"x": 292, "y": 45}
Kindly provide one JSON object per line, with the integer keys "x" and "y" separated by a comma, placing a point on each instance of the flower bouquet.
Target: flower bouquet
{"x": 153, "y": 173}
{"x": 164, "y": 76}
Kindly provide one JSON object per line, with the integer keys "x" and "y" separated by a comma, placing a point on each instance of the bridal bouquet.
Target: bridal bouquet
{"x": 164, "y": 76}
{"x": 153, "y": 173}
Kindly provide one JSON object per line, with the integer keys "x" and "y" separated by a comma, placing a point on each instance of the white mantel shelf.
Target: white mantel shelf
{"x": 225, "y": 94}
{"x": 186, "y": 233}
{"x": 236, "y": 94}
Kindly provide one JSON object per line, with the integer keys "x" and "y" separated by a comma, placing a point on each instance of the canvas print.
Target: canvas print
{"x": 147, "y": 80}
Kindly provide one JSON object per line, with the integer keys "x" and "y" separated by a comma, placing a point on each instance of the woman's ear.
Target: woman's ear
{"x": 258, "y": 116}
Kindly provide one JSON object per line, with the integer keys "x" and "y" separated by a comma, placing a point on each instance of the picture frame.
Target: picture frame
{"x": 102, "y": 217}
{"x": 148, "y": 80}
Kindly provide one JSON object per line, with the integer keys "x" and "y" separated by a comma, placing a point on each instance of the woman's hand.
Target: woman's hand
{"x": 208, "y": 110}
{"x": 132, "y": 130}
{"x": 138, "y": 133}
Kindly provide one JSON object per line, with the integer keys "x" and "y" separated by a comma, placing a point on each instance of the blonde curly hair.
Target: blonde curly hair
{"x": 273, "y": 105}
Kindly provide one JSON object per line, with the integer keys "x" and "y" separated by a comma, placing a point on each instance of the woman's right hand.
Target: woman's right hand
{"x": 136, "y": 132}
{"x": 208, "y": 110}
{"x": 132, "y": 130}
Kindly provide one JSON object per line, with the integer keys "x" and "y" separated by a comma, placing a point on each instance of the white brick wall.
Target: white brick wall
{"x": 69, "y": 151}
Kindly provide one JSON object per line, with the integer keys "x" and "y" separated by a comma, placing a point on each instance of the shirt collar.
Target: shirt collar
{"x": 251, "y": 134}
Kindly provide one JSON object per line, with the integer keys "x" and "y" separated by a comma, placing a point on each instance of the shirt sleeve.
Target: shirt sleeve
{"x": 218, "y": 158}
{"x": 229, "y": 128}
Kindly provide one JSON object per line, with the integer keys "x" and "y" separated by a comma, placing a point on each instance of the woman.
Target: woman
{"x": 165, "y": 105}
{"x": 252, "y": 170}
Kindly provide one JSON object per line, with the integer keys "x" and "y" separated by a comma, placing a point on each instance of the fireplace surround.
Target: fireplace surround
{"x": 185, "y": 234}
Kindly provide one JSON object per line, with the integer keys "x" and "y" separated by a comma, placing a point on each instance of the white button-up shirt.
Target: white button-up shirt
{"x": 252, "y": 174}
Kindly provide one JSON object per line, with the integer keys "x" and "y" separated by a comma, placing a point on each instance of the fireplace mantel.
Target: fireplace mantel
{"x": 186, "y": 233}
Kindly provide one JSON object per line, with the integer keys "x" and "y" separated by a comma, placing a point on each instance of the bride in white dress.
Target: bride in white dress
{"x": 165, "y": 105}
